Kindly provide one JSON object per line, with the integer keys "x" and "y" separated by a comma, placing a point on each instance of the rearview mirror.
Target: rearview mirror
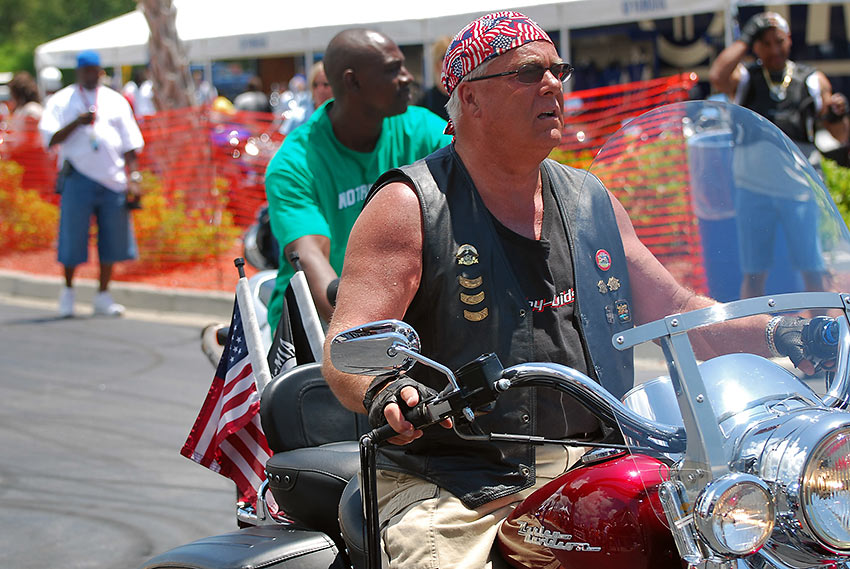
{"x": 371, "y": 349}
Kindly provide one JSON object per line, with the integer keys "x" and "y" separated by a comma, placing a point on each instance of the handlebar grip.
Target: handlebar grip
{"x": 418, "y": 416}
{"x": 333, "y": 286}
{"x": 829, "y": 333}
{"x": 383, "y": 433}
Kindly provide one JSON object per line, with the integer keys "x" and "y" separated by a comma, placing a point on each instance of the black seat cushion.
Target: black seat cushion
{"x": 298, "y": 409}
{"x": 352, "y": 524}
{"x": 307, "y": 483}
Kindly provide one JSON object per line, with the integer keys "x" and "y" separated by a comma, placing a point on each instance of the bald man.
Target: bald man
{"x": 317, "y": 181}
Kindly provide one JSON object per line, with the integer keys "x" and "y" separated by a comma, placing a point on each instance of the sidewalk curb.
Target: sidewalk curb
{"x": 192, "y": 301}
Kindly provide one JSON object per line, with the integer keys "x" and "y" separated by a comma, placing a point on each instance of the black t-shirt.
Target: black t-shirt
{"x": 544, "y": 270}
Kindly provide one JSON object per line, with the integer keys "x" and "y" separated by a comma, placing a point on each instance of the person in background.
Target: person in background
{"x": 205, "y": 92}
{"x": 139, "y": 92}
{"x": 317, "y": 180}
{"x": 99, "y": 139}
{"x": 25, "y": 114}
{"x": 253, "y": 99}
{"x": 320, "y": 91}
{"x": 435, "y": 98}
{"x": 795, "y": 97}
{"x": 24, "y": 93}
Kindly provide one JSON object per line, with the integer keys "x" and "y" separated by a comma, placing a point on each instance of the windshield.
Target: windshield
{"x": 733, "y": 210}
{"x": 718, "y": 193}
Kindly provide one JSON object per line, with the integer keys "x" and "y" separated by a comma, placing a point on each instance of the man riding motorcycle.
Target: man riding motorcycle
{"x": 495, "y": 250}
{"x": 317, "y": 180}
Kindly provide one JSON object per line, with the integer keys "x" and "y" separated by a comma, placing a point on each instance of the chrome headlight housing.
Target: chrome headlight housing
{"x": 735, "y": 514}
{"x": 805, "y": 459}
{"x": 825, "y": 495}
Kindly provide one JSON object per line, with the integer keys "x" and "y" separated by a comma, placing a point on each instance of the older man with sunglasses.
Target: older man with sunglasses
{"x": 487, "y": 246}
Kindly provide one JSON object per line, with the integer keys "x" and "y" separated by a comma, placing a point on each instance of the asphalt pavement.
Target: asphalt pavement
{"x": 93, "y": 413}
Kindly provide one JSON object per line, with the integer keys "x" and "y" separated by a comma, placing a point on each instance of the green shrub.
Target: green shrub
{"x": 174, "y": 229}
{"x": 837, "y": 180}
{"x": 27, "y": 221}
{"x": 169, "y": 229}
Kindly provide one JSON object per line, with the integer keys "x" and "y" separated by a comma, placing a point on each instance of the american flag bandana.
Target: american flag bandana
{"x": 483, "y": 39}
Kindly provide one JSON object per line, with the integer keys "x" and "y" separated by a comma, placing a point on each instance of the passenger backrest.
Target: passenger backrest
{"x": 298, "y": 409}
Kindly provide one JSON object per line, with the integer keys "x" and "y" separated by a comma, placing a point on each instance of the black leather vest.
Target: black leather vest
{"x": 470, "y": 303}
{"x": 795, "y": 114}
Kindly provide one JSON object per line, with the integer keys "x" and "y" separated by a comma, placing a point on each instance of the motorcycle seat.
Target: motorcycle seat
{"x": 307, "y": 483}
{"x": 298, "y": 410}
{"x": 315, "y": 443}
{"x": 352, "y": 524}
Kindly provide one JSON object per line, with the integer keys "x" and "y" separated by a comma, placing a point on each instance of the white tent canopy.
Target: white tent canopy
{"x": 222, "y": 29}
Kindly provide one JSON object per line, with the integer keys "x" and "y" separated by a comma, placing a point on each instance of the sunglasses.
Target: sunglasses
{"x": 533, "y": 73}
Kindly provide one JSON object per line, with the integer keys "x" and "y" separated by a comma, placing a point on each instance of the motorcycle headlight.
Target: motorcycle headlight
{"x": 825, "y": 493}
{"x": 735, "y": 514}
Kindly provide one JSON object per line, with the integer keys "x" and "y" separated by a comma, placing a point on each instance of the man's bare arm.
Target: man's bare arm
{"x": 840, "y": 129}
{"x": 314, "y": 252}
{"x": 657, "y": 294}
{"x": 724, "y": 73}
{"x": 382, "y": 271}
{"x": 63, "y": 133}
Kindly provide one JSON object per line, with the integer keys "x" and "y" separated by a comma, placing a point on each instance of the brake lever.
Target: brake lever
{"x": 479, "y": 384}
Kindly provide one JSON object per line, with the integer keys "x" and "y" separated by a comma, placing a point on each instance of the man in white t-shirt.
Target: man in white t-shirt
{"x": 99, "y": 138}
{"x": 139, "y": 92}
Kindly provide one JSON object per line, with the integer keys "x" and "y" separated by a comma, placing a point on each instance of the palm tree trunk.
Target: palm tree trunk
{"x": 169, "y": 68}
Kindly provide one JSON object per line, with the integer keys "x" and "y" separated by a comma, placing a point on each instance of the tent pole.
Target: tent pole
{"x": 308, "y": 63}
{"x": 39, "y": 80}
{"x": 428, "y": 79}
{"x": 208, "y": 77}
{"x": 729, "y": 15}
{"x": 566, "y": 55}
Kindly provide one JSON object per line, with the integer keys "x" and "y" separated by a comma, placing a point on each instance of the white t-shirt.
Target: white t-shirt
{"x": 95, "y": 150}
{"x": 144, "y": 100}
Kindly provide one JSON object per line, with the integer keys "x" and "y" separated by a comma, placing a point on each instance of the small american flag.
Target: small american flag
{"x": 227, "y": 436}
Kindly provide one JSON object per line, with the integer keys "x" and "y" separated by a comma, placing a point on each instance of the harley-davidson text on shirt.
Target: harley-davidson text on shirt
{"x": 561, "y": 299}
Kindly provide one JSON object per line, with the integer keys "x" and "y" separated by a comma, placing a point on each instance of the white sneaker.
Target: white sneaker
{"x": 66, "y": 302}
{"x": 105, "y": 306}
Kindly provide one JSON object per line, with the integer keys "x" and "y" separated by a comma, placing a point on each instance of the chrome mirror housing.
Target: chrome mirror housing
{"x": 373, "y": 349}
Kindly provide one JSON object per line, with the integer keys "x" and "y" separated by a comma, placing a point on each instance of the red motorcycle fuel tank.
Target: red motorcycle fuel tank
{"x": 601, "y": 516}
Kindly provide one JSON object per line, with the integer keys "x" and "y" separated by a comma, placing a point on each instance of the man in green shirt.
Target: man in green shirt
{"x": 318, "y": 179}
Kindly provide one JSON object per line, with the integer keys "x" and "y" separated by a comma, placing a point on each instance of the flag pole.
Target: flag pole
{"x": 307, "y": 308}
{"x": 253, "y": 339}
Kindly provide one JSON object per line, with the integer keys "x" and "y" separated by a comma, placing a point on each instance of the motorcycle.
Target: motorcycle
{"x": 726, "y": 457}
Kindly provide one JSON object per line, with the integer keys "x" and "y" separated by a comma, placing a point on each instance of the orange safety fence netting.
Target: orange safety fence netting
{"x": 658, "y": 198}
{"x": 204, "y": 171}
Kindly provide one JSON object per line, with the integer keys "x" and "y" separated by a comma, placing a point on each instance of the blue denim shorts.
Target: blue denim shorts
{"x": 82, "y": 197}
{"x": 758, "y": 217}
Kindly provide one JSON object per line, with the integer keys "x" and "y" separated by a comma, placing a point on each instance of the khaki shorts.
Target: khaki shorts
{"x": 425, "y": 527}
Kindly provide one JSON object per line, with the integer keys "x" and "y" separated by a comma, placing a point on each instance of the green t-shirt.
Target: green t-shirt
{"x": 316, "y": 186}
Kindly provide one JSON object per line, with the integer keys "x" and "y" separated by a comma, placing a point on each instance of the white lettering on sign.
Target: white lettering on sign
{"x": 253, "y": 42}
{"x": 630, "y": 7}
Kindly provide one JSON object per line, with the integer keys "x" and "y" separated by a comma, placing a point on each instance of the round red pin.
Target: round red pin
{"x": 603, "y": 259}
